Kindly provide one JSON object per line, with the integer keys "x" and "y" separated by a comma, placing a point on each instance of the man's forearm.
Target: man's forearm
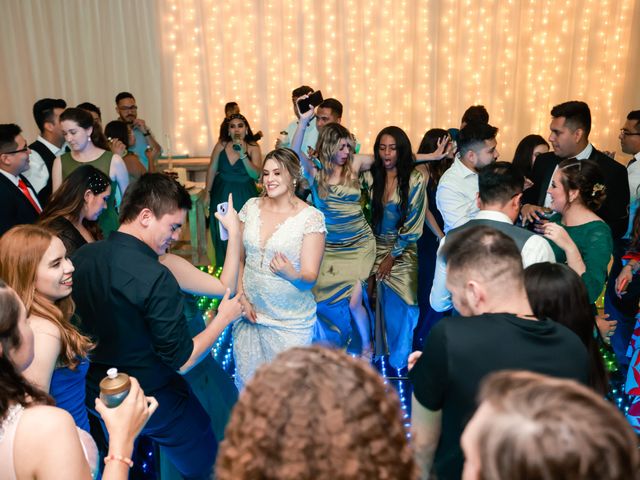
{"x": 203, "y": 342}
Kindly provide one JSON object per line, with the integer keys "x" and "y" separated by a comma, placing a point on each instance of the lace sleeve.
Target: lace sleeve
{"x": 315, "y": 222}
{"x": 242, "y": 214}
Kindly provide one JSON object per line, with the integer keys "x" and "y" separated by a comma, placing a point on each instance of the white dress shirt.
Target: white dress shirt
{"x": 456, "y": 195}
{"x": 535, "y": 250}
{"x": 633, "y": 172}
{"x": 38, "y": 175}
{"x": 15, "y": 180}
{"x": 583, "y": 155}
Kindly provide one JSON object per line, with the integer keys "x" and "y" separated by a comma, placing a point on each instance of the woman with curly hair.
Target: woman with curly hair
{"x": 34, "y": 262}
{"x": 316, "y": 413}
{"x": 579, "y": 236}
{"x": 350, "y": 244}
{"x": 398, "y": 213}
{"x": 234, "y": 169}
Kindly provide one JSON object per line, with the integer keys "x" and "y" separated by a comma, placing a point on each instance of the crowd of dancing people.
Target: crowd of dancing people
{"x": 481, "y": 280}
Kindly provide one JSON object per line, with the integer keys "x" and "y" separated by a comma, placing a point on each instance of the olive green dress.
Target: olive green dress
{"x": 398, "y": 312}
{"x": 108, "y": 219}
{"x": 348, "y": 258}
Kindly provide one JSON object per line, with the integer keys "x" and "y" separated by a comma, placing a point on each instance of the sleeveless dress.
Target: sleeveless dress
{"x": 68, "y": 390}
{"x": 8, "y": 428}
{"x": 348, "y": 258}
{"x": 285, "y": 315}
{"x": 397, "y": 295}
{"x": 229, "y": 179}
{"x": 108, "y": 219}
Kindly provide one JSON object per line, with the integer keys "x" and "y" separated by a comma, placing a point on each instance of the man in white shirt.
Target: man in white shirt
{"x": 458, "y": 187}
{"x": 500, "y": 190}
{"x": 630, "y": 144}
{"x": 48, "y": 145}
{"x": 311, "y": 133}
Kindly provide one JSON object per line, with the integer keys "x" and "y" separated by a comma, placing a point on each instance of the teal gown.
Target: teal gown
{"x": 229, "y": 179}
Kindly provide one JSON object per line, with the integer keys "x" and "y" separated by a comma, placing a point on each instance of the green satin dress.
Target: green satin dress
{"x": 398, "y": 310}
{"x": 108, "y": 219}
{"x": 348, "y": 258}
{"x": 229, "y": 179}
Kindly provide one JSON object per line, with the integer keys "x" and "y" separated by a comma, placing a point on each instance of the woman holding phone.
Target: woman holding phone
{"x": 234, "y": 169}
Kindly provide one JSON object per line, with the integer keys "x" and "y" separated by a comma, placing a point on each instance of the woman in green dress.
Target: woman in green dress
{"x": 579, "y": 237}
{"x": 89, "y": 147}
{"x": 235, "y": 166}
{"x": 350, "y": 245}
{"x": 398, "y": 212}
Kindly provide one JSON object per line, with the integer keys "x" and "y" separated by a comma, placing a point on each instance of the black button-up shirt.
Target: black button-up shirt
{"x": 132, "y": 307}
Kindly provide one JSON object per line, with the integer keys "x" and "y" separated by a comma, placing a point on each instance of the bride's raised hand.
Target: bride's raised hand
{"x": 280, "y": 265}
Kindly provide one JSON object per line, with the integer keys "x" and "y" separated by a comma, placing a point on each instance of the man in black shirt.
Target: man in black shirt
{"x": 498, "y": 331}
{"x": 132, "y": 307}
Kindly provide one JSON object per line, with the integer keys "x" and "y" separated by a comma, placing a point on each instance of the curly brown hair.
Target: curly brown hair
{"x": 316, "y": 413}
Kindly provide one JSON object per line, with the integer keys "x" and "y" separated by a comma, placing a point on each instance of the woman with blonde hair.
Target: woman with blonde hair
{"x": 283, "y": 243}
{"x": 316, "y": 413}
{"x": 33, "y": 261}
{"x": 350, "y": 247}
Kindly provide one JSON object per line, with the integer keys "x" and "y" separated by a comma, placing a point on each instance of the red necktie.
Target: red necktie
{"x": 23, "y": 187}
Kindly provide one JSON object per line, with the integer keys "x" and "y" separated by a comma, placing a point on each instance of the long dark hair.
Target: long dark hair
{"x": 404, "y": 167}
{"x": 118, "y": 129}
{"x": 85, "y": 120}
{"x": 429, "y": 144}
{"x": 555, "y": 291}
{"x": 250, "y": 138}
{"x": 13, "y": 386}
{"x": 68, "y": 199}
{"x": 524, "y": 152}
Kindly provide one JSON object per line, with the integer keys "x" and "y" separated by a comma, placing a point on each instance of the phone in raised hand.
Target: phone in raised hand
{"x": 222, "y": 209}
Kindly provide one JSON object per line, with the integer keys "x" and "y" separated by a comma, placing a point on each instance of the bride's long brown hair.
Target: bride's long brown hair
{"x": 21, "y": 250}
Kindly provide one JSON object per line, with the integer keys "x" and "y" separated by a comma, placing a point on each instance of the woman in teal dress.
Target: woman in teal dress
{"x": 579, "y": 237}
{"x": 398, "y": 212}
{"x": 350, "y": 246}
{"x": 89, "y": 147}
{"x": 235, "y": 166}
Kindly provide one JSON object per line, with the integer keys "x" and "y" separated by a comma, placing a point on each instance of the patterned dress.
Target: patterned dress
{"x": 285, "y": 315}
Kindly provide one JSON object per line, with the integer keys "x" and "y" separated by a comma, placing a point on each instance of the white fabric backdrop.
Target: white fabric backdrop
{"x": 416, "y": 64}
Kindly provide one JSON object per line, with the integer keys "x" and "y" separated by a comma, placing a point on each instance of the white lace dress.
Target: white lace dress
{"x": 285, "y": 315}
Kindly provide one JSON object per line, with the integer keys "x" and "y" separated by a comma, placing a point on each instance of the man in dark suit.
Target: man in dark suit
{"x": 570, "y": 127}
{"x": 18, "y": 201}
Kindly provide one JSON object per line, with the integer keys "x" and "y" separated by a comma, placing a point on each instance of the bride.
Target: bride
{"x": 283, "y": 240}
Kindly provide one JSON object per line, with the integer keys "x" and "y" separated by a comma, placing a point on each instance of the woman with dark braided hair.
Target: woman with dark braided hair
{"x": 398, "y": 200}
{"x": 316, "y": 413}
{"x": 580, "y": 238}
{"x": 235, "y": 166}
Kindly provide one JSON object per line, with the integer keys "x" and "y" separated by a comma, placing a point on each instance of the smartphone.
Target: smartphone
{"x": 313, "y": 100}
{"x": 222, "y": 209}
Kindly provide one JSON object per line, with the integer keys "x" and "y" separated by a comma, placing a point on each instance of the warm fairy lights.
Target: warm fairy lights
{"x": 416, "y": 64}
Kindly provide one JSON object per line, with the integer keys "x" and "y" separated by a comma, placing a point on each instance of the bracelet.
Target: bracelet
{"x": 147, "y": 134}
{"x": 119, "y": 458}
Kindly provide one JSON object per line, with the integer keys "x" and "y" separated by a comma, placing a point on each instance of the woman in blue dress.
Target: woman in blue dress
{"x": 398, "y": 211}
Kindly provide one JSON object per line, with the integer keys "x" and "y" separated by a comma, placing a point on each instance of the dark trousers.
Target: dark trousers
{"x": 621, "y": 309}
{"x": 182, "y": 429}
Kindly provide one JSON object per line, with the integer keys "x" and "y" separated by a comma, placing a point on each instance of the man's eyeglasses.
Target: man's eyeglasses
{"x": 627, "y": 133}
{"x": 25, "y": 149}
{"x": 129, "y": 108}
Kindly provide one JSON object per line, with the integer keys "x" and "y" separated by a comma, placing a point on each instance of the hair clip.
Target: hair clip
{"x": 598, "y": 187}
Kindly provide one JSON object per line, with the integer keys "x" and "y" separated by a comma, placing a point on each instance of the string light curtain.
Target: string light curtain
{"x": 416, "y": 64}
{"x": 413, "y": 63}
